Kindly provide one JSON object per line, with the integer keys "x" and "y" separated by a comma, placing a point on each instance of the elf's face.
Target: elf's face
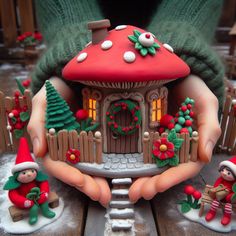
{"x": 27, "y": 176}
{"x": 227, "y": 174}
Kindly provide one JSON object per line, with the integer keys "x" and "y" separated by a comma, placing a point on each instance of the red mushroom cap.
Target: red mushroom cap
{"x": 109, "y": 65}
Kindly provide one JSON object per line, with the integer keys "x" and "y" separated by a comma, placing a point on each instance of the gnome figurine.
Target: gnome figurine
{"x": 28, "y": 187}
{"x": 223, "y": 192}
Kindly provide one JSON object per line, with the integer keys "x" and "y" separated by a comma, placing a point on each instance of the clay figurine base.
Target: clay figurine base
{"x": 215, "y": 224}
{"x": 121, "y": 166}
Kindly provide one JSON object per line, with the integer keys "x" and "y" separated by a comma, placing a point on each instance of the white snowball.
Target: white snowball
{"x": 106, "y": 45}
{"x": 52, "y": 131}
{"x": 168, "y": 47}
{"x": 129, "y": 57}
{"x": 146, "y": 39}
{"x": 82, "y": 57}
{"x": 10, "y": 115}
{"x": 121, "y": 27}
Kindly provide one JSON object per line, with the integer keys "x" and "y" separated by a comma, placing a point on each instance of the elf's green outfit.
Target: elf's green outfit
{"x": 188, "y": 26}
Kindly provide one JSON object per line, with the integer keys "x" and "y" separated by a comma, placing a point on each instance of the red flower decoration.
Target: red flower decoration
{"x": 189, "y": 189}
{"x": 164, "y": 149}
{"x": 72, "y": 155}
{"x": 82, "y": 114}
{"x": 197, "y": 195}
{"x": 38, "y": 36}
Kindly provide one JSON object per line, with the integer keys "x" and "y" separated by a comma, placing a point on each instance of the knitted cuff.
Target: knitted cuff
{"x": 66, "y": 44}
{"x": 193, "y": 49}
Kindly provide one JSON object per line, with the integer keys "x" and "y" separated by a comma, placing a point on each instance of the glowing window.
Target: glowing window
{"x": 156, "y": 110}
{"x": 92, "y": 108}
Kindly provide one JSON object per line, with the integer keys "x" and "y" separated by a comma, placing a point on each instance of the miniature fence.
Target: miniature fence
{"x": 89, "y": 145}
{"x": 16, "y": 16}
{"x": 8, "y": 142}
{"x": 227, "y": 140}
{"x": 188, "y": 150}
{"x": 231, "y": 66}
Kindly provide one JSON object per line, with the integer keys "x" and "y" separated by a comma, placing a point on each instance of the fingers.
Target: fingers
{"x": 136, "y": 187}
{"x": 105, "y": 192}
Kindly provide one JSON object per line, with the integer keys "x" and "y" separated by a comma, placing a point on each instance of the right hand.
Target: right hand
{"x": 95, "y": 187}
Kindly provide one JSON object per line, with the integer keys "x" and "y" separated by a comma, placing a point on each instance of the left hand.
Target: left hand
{"x": 206, "y": 110}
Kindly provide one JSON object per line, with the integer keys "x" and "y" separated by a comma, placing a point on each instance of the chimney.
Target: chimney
{"x": 99, "y": 30}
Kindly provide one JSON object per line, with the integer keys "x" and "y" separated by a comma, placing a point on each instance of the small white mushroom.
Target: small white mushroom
{"x": 121, "y": 27}
{"x": 106, "y": 45}
{"x": 82, "y": 57}
{"x": 168, "y": 47}
{"x": 129, "y": 57}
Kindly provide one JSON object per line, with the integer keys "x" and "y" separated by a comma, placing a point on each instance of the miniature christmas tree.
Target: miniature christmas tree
{"x": 58, "y": 114}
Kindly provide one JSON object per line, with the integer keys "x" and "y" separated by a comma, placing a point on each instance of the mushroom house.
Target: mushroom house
{"x": 123, "y": 73}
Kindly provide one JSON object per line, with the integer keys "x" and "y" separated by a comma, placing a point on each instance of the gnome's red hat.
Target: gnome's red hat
{"x": 24, "y": 160}
{"x": 231, "y": 163}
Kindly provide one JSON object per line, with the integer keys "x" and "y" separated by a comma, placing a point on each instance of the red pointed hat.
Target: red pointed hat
{"x": 231, "y": 163}
{"x": 24, "y": 160}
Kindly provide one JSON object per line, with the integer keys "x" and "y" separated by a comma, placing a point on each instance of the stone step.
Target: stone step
{"x": 122, "y": 181}
{"x": 120, "y": 192}
{"x": 126, "y": 213}
{"x": 121, "y": 204}
{"x": 118, "y": 225}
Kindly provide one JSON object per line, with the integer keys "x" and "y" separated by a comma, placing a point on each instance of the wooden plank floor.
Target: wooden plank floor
{"x": 169, "y": 222}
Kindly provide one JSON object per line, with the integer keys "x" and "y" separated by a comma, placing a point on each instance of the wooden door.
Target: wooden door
{"x": 122, "y": 143}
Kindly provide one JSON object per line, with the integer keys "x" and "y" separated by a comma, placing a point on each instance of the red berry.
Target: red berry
{"x": 191, "y": 114}
{"x": 189, "y": 189}
{"x": 176, "y": 120}
{"x": 165, "y": 120}
{"x": 171, "y": 126}
{"x": 15, "y": 113}
{"x": 135, "y": 118}
{"x": 111, "y": 117}
{"x": 82, "y": 114}
{"x": 177, "y": 114}
{"x": 197, "y": 195}
{"x": 147, "y": 36}
{"x": 18, "y": 126}
{"x": 184, "y": 131}
{"x": 115, "y": 126}
{"x": 183, "y": 108}
{"x": 107, "y": 113}
{"x": 17, "y": 93}
{"x": 189, "y": 106}
{"x": 188, "y": 122}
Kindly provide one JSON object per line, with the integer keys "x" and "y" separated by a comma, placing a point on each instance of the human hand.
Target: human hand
{"x": 206, "y": 110}
{"x": 96, "y": 188}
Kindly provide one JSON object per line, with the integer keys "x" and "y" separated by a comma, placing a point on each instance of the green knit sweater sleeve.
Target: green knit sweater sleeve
{"x": 63, "y": 24}
{"x": 189, "y": 27}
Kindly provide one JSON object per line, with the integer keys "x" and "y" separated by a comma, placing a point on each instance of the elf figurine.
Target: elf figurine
{"x": 28, "y": 187}
{"x": 222, "y": 191}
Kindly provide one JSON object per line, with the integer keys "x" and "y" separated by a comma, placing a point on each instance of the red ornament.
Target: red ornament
{"x": 191, "y": 114}
{"x": 171, "y": 126}
{"x": 184, "y": 108}
{"x": 189, "y": 189}
{"x": 197, "y": 195}
{"x": 26, "y": 83}
{"x": 165, "y": 120}
{"x": 189, "y": 106}
{"x": 82, "y": 114}
{"x": 184, "y": 131}
{"x": 188, "y": 123}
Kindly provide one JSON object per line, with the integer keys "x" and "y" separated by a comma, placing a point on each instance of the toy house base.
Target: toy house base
{"x": 121, "y": 165}
{"x": 215, "y": 225}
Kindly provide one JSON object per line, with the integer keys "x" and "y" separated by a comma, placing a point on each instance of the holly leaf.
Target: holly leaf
{"x": 20, "y": 86}
{"x": 92, "y": 127}
{"x": 156, "y": 45}
{"x": 132, "y": 38}
{"x": 162, "y": 163}
{"x": 178, "y": 143}
{"x": 185, "y": 207}
{"x": 152, "y": 50}
{"x": 172, "y": 136}
{"x": 88, "y": 121}
{"x": 182, "y": 201}
{"x": 138, "y": 46}
{"x": 233, "y": 198}
{"x": 174, "y": 161}
{"x": 234, "y": 188}
{"x": 144, "y": 52}
{"x": 24, "y": 116}
{"x": 35, "y": 190}
{"x": 18, "y": 133}
{"x": 13, "y": 119}
{"x": 137, "y": 33}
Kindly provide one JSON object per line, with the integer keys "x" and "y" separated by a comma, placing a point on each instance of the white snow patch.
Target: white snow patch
{"x": 122, "y": 211}
{"x": 122, "y": 181}
{"x": 8, "y": 66}
{"x": 120, "y": 191}
{"x": 107, "y": 44}
{"x": 82, "y": 57}
{"x": 129, "y": 57}
{"x": 168, "y": 47}
{"x": 214, "y": 225}
{"x": 121, "y": 27}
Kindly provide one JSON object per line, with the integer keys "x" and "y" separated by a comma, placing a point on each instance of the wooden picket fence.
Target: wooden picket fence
{"x": 17, "y": 17}
{"x": 89, "y": 145}
{"x": 230, "y": 62}
{"x": 8, "y": 142}
{"x": 227, "y": 140}
{"x": 188, "y": 150}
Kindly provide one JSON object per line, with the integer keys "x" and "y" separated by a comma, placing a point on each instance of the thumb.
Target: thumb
{"x": 36, "y": 125}
{"x": 209, "y": 132}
